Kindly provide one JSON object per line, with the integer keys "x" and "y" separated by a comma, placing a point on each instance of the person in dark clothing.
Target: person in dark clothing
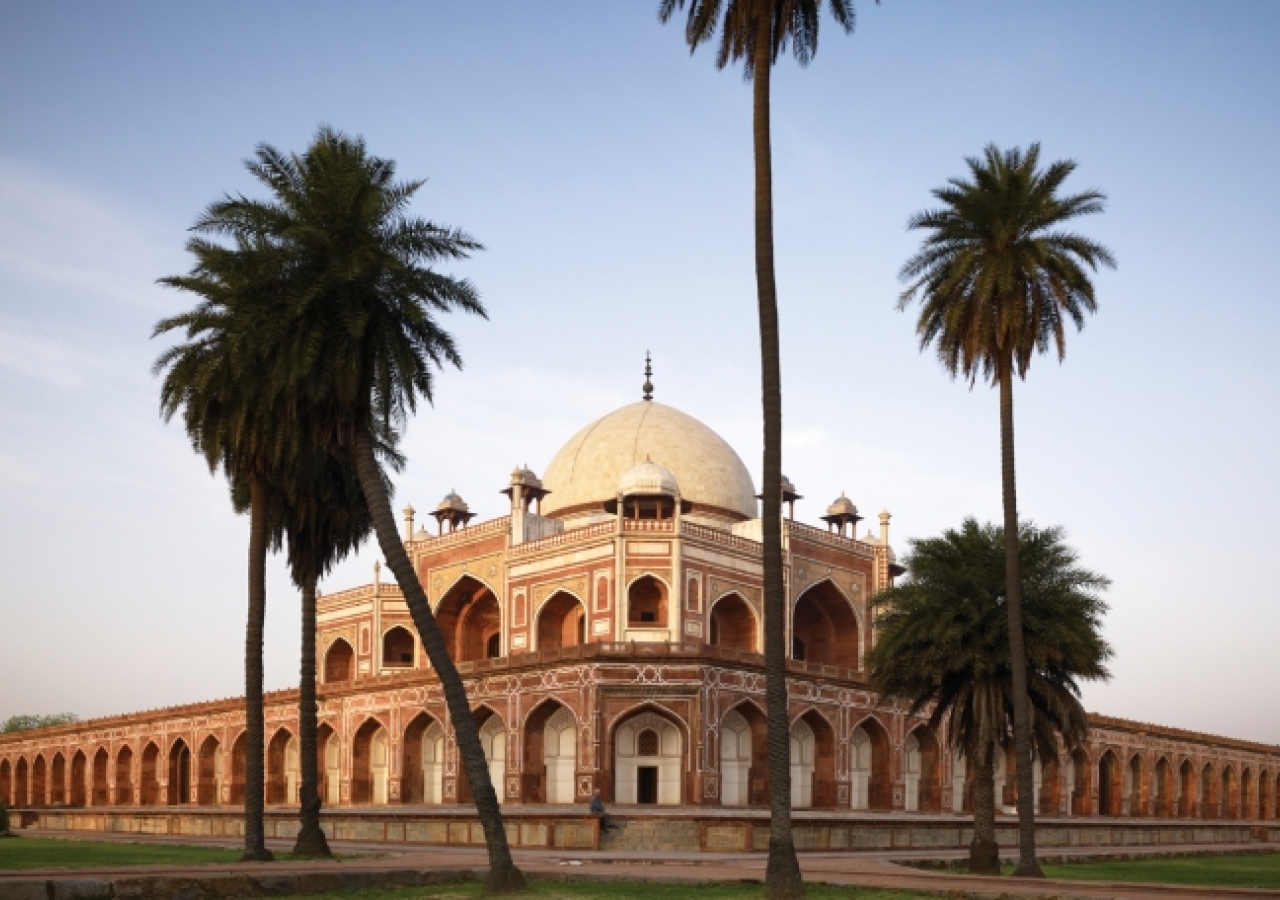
{"x": 597, "y": 810}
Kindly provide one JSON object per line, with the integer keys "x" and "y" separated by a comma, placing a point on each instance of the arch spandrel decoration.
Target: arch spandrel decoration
{"x": 844, "y": 592}
{"x": 488, "y": 570}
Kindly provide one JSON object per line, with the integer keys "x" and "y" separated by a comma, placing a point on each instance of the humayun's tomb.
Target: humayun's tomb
{"x": 609, "y": 631}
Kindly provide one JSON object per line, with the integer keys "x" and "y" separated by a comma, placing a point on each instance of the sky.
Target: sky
{"x": 608, "y": 173}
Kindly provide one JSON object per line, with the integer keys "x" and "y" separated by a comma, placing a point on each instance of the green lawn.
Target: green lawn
{"x": 41, "y": 853}
{"x": 1256, "y": 871}
{"x": 619, "y": 890}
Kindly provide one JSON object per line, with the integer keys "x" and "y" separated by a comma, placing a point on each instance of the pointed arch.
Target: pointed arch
{"x": 101, "y": 792}
{"x": 1265, "y": 795}
{"x": 648, "y": 744}
{"x": 370, "y": 763}
{"x": 1188, "y": 793}
{"x": 744, "y": 755}
{"x": 149, "y": 780}
{"x": 493, "y": 740}
{"x": 339, "y": 661}
{"x": 1228, "y": 793}
{"x": 813, "y": 760}
{"x": 20, "y": 775}
{"x": 870, "y": 777}
{"x": 79, "y": 775}
{"x": 1110, "y": 784}
{"x": 560, "y": 621}
{"x": 6, "y": 783}
{"x": 1162, "y": 789}
{"x": 470, "y": 620}
{"x": 239, "y": 768}
{"x": 1208, "y": 792}
{"x": 922, "y": 770}
{"x": 124, "y": 776}
{"x": 399, "y": 648}
{"x": 39, "y": 781}
{"x": 824, "y": 627}
{"x": 648, "y": 602}
{"x": 329, "y": 758}
{"x": 1134, "y": 786}
{"x": 209, "y": 771}
{"x": 282, "y": 768}
{"x": 418, "y": 777}
{"x": 733, "y": 623}
{"x": 58, "y": 780}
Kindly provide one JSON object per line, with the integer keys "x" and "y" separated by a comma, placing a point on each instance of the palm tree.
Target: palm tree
{"x": 756, "y": 33}
{"x": 357, "y": 341}
{"x": 214, "y": 378}
{"x": 325, "y": 519}
{"x": 997, "y": 281}
{"x": 943, "y": 642}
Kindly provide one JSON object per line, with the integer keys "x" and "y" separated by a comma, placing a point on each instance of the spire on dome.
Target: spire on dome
{"x": 648, "y": 374}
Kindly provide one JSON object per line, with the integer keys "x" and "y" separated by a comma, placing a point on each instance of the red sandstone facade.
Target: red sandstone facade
{"x": 614, "y": 644}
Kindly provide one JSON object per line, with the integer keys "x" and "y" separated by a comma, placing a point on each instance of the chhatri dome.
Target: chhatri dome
{"x": 649, "y": 443}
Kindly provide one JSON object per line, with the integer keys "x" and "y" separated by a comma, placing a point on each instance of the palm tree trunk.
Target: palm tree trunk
{"x": 255, "y": 847}
{"x": 782, "y": 876}
{"x": 311, "y": 841}
{"x": 1027, "y": 865}
{"x": 503, "y": 875}
{"x": 984, "y": 852}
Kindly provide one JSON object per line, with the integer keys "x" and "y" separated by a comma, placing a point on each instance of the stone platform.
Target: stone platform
{"x": 680, "y": 829}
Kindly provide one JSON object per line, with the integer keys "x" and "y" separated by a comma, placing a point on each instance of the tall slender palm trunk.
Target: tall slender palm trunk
{"x": 255, "y": 847}
{"x": 503, "y": 875}
{"x": 984, "y": 852}
{"x": 1027, "y": 865}
{"x": 311, "y": 841}
{"x": 782, "y": 877}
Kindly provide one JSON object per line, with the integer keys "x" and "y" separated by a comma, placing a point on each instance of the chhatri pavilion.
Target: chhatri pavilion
{"x": 609, "y": 630}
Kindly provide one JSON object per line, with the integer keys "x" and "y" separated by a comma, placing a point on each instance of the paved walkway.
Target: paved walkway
{"x": 866, "y": 868}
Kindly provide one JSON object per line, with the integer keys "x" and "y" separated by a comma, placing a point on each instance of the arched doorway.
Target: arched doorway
{"x": 209, "y": 773}
{"x": 370, "y": 764}
{"x": 413, "y": 769}
{"x": 744, "y": 757}
{"x": 1078, "y": 785}
{"x": 39, "y": 782}
{"x": 1208, "y": 793}
{"x": 647, "y": 603}
{"x": 1161, "y": 789}
{"x": 20, "y": 773}
{"x": 1264, "y": 795}
{"x": 870, "y": 787}
{"x": 1227, "y": 795}
{"x": 961, "y": 783}
{"x": 239, "y": 765}
{"x": 329, "y": 755}
{"x": 58, "y": 779}
{"x": 493, "y": 740}
{"x": 735, "y": 759}
{"x": 824, "y": 629}
{"x": 550, "y": 754}
{"x": 562, "y": 622}
{"x": 179, "y": 773}
{"x": 1248, "y": 803}
{"x": 79, "y": 796}
{"x": 470, "y": 621}
{"x": 282, "y": 768}
{"x": 733, "y": 624}
{"x": 124, "y": 776}
{"x": 922, "y": 772}
{"x": 6, "y": 783}
{"x": 1186, "y": 789}
{"x": 150, "y": 780}
{"x": 398, "y": 648}
{"x": 648, "y": 751}
{"x": 1109, "y": 785}
{"x": 1050, "y": 786}
{"x": 813, "y": 762}
{"x": 101, "y": 793}
{"x": 1134, "y": 795}
{"x": 339, "y": 662}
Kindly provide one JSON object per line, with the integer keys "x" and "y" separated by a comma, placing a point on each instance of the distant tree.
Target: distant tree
{"x": 997, "y": 280}
{"x": 27, "y": 723}
{"x": 756, "y": 33}
{"x": 942, "y": 641}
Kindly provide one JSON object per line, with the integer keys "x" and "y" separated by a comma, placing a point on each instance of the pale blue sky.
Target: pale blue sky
{"x": 609, "y": 174}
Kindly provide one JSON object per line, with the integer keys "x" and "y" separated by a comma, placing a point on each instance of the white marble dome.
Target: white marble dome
{"x": 589, "y": 469}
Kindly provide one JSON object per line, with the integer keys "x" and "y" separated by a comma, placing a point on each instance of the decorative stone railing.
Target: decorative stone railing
{"x": 818, "y": 536}
{"x": 564, "y": 539}
{"x": 465, "y": 535}
{"x": 716, "y": 536}
{"x": 661, "y": 525}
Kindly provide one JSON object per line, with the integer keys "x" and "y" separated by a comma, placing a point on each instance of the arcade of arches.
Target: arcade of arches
{"x": 608, "y": 627}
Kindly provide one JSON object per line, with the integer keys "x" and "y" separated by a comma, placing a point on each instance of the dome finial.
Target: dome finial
{"x": 648, "y": 374}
